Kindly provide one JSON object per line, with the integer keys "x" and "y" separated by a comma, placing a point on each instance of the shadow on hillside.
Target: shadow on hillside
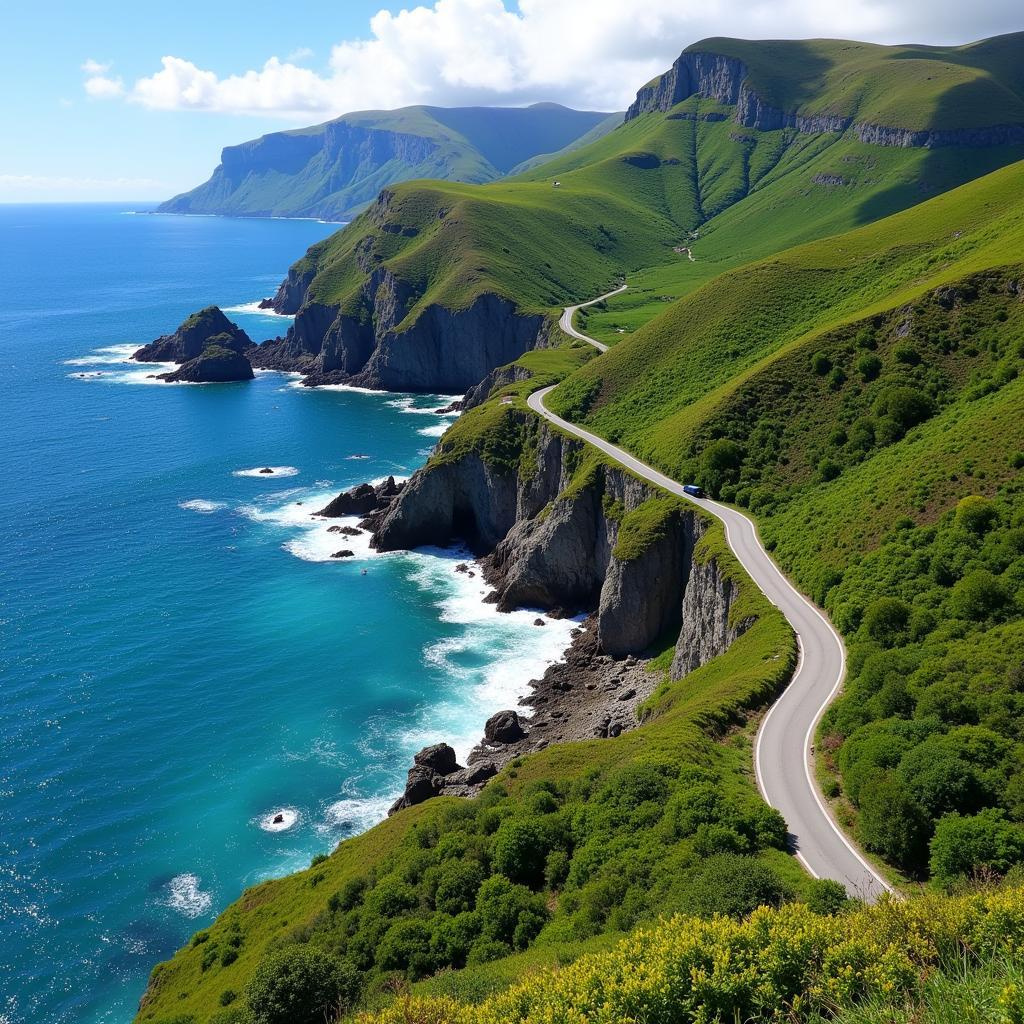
{"x": 945, "y": 167}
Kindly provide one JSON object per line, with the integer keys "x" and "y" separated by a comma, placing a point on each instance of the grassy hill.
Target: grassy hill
{"x": 333, "y": 169}
{"x": 912, "y": 87}
{"x": 671, "y": 198}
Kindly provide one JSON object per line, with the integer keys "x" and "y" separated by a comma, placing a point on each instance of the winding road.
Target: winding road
{"x": 783, "y": 751}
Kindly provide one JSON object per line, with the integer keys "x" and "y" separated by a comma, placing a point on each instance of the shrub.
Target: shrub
{"x": 501, "y": 903}
{"x": 520, "y": 851}
{"x": 907, "y": 406}
{"x": 977, "y": 596}
{"x": 406, "y": 947}
{"x": 390, "y": 897}
{"x": 827, "y": 896}
{"x": 869, "y": 366}
{"x": 976, "y": 514}
{"x": 732, "y": 884}
{"x": 985, "y": 842}
{"x": 453, "y": 938}
{"x": 886, "y": 620}
{"x": 457, "y": 886}
{"x": 299, "y": 985}
{"x": 893, "y": 823}
{"x": 228, "y": 996}
{"x": 820, "y": 363}
{"x": 906, "y": 354}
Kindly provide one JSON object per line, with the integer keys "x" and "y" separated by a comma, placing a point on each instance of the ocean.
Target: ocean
{"x": 180, "y": 657}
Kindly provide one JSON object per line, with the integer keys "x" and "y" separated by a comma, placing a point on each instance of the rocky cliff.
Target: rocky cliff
{"x": 202, "y": 328}
{"x": 590, "y": 539}
{"x": 370, "y": 345}
{"x": 724, "y": 79}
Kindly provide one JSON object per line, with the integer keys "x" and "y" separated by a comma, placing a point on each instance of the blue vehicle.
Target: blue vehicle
{"x": 694, "y": 490}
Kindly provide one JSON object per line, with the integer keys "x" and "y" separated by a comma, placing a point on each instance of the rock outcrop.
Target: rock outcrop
{"x": 205, "y": 327}
{"x": 361, "y": 500}
{"x": 718, "y": 77}
{"x": 216, "y": 364}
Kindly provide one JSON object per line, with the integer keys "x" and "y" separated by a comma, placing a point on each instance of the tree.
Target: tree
{"x": 907, "y": 406}
{"x": 893, "y": 823}
{"x": 300, "y": 985}
{"x": 976, "y": 514}
{"x": 869, "y": 366}
{"x": 406, "y": 947}
{"x": 820, "y": 363}
{"x": 500, "y": 904}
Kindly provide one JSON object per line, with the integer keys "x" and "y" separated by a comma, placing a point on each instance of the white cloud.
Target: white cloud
{"x": 98, "y": 84}
{"x": 101, "y": 87}
{"x": 299, "y": 55}
{"x": 588, "y": 53}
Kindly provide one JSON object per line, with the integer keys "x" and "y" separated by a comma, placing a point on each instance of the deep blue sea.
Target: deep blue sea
{"x": 180, "y": 657}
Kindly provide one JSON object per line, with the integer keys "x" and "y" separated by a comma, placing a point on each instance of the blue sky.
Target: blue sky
{"x": 116, "y": 100}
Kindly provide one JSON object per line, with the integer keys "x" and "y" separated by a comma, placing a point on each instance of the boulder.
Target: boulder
{"x": 439, "y": 758}
{"x": 343, "y": 554}
{"x": 193, "y": 336}
{"x": 504, "y": 727}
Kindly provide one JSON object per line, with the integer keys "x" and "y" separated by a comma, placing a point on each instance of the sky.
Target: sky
{"x": 113, "y": 100}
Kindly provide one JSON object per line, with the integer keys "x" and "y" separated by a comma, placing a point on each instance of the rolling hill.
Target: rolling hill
{"x": 332, "y": 170}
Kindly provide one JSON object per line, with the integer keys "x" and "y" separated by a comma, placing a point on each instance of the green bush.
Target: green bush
{"x": 406, "y": 947}
{"x": 502, "y": 905}
{"x": 457, "y": 887}
{"x": 891, "y": 822}
{"x": 820, "y": 363}
{"x": 827, "y": 896}
{"x": 886, "y": 620}
{"x": 520, "y": 851}
{"x": 735, "y": 885}
{"x": 977, "y": 596}
{"x": 976, "y": 514}
{"x": 299, "y": 985}
{"x": 869, "y": 366}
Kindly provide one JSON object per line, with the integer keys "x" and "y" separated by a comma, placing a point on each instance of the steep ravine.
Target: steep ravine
{"x": 559, "y": 531}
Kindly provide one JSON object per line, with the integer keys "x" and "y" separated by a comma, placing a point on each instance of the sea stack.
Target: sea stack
{"x": 196, "y": 333}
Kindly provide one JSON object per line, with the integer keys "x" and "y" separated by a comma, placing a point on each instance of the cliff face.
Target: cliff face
{"x": 724, "y": 79}
{"x": 443, "y": 350}
{"x": 552, "y": 543}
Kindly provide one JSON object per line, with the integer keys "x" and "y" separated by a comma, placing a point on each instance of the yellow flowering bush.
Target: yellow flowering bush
{"x": 776, "y": 965}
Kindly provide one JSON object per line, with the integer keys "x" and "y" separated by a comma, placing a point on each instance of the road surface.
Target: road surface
{"x": 783, "y": 751}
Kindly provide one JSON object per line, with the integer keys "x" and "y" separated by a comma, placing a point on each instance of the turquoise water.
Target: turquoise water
{"x": 179, "y": 655}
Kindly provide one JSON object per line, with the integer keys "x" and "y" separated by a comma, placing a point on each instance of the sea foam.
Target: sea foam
{"x": 185, "y": 896}
{"x": 253, "y": 309}
{"x": 202, "y": 506}
{"x": 258, "y": 471}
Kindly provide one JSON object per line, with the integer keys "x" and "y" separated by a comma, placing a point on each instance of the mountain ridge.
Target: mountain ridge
{"x": 333, "y": 169}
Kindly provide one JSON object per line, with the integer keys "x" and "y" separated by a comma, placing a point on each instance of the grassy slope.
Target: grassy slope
{"x": 911, "y": 87}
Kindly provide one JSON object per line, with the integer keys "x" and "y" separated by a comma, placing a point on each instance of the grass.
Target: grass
{"x": 914, "y": 87}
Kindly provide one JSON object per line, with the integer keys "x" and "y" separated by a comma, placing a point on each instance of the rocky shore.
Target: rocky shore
{"x": 587, "y": 695}
{"x": 609, "y": 546}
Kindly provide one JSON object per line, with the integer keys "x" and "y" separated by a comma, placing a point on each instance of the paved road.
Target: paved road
{"x": 570, "y": 311}
{"x": 783, "y": 749}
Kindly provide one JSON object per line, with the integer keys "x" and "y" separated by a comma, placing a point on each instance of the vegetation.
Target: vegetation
{"x": 786, "y": 964}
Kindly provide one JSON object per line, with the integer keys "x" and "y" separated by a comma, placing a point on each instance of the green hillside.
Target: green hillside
{"x": 333, "y": 169}
{"x": 913, "y": 87}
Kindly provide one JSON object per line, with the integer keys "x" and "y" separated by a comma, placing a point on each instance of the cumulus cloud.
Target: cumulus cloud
{"x": 95, "y": 67}
{"x": 589, "y": 53}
